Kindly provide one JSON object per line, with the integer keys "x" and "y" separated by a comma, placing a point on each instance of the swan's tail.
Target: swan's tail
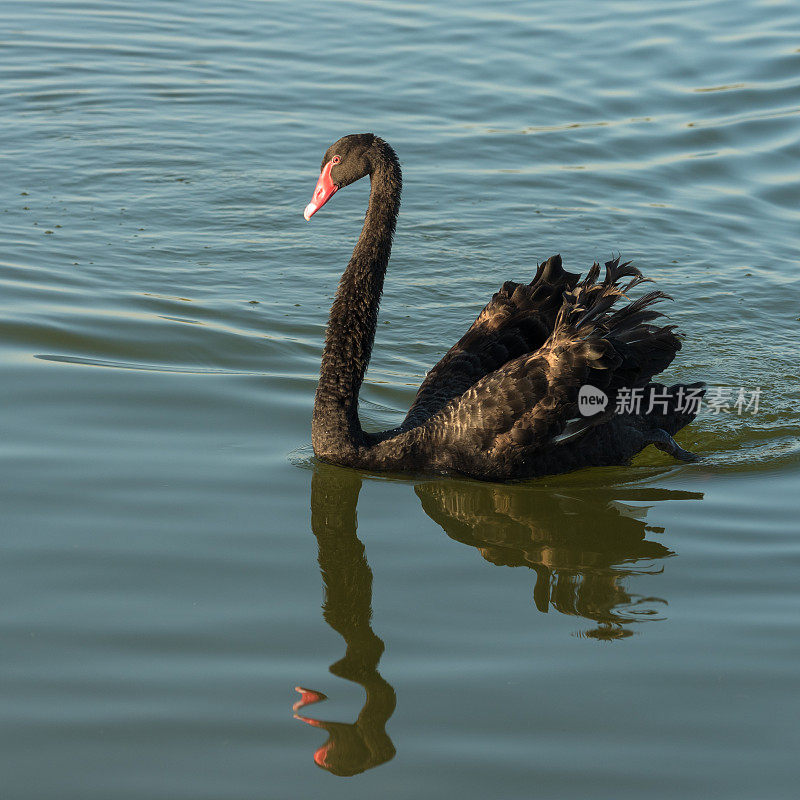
{"x": 618, "y": 349}
{"x": 588, "y": 314}
{"x": 585, "y": 308}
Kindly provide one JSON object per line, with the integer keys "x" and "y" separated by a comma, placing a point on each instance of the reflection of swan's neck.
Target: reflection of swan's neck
{"x": 347, "y": 608}
{"x": 335, "y": 428}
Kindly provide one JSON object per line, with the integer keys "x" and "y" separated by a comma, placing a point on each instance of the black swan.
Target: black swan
{"x": 503, "y": 403}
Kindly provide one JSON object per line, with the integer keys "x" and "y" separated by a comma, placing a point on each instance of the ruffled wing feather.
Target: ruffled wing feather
{"x": 517, "y": 320}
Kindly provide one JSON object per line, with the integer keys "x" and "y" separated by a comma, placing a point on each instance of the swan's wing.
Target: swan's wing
{"x": 521, "y": 408}
{"x": 530, "y": 404}
{"x": 517, "y": 320}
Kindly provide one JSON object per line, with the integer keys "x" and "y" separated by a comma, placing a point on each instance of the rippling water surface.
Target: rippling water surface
{"x": 174, "y": 561}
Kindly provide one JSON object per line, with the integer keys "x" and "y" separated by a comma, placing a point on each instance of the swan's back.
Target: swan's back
{"x": 490, "y": 412}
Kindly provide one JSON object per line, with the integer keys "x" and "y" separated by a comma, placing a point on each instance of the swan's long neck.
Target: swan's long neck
{"x": 335, "y": 427}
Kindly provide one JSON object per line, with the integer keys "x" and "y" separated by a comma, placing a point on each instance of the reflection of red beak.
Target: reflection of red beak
{"x": 325, "y": 189}
{"x": 307, "y": 697}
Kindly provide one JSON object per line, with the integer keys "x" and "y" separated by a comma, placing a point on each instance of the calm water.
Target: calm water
{"x": 166, "y": 535}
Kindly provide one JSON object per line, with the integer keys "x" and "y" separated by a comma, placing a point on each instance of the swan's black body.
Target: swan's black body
{"x": 503, "y": 402}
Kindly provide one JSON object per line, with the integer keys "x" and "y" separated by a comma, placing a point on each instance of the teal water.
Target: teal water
{"x": 174, "y": 562}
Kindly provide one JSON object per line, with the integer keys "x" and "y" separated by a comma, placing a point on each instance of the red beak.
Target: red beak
{"x": 325, "y": 189}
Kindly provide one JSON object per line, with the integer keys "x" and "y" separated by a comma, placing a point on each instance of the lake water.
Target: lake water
{"x": 174, "y": 561}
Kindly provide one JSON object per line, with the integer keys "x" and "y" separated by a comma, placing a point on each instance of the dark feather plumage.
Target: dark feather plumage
{"x": 517, "y": 320}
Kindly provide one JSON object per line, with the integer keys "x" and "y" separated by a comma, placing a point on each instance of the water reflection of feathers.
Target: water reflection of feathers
{"x": 581, "y": 544}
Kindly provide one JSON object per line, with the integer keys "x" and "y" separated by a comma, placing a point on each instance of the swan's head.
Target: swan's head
{"x": 344, "y": 162}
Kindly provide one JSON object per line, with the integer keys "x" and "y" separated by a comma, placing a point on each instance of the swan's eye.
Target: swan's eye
{"x": 335, "y": 160}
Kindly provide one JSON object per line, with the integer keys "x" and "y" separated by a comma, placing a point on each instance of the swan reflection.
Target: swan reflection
{"x": 584, "y": 545}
